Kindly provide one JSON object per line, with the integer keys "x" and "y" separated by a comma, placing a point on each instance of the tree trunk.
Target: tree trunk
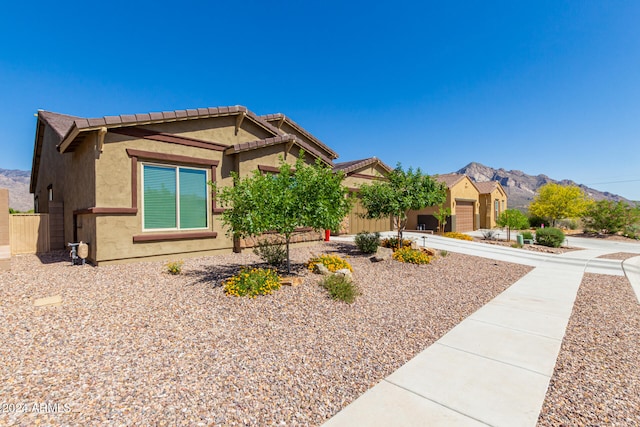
{"x": 288, "y": 238}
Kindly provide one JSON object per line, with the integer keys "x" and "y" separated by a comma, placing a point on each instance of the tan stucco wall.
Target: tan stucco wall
{"x": 487, "y": 211}
{"x": 463, "y": 190}
{"x": 72, "y": 176}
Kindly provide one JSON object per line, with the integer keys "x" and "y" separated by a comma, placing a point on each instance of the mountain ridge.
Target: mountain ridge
{"x": 17, "y": 182}
{"x": 521, "y": 187}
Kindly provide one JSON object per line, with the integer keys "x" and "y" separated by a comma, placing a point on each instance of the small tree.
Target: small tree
{"x": 555, "y": 201}
{"x": 403, "y": 191}
{"x": 513, "y": 219}
{"x": 441, "y": 215}
{"x": 300, "y": 196}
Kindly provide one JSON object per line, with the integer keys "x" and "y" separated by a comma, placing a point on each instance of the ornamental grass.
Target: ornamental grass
{"x": 332, "y": 262}
{"x": 413, "y": 256}
{"x": 456, "y": 235}
{"x": 252, "y": 282}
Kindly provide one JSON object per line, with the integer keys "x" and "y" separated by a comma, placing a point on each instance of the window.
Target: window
{"x": 174, "y": 197}
{"x": 50, "y": 192}
{"x": 497, "y": 208}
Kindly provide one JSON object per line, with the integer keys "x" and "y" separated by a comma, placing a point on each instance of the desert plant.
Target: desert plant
{"x": 516, "y": 245}
{"x": 442, "y": 214}
{"x": 512, "y": 219}
{"x": 392, "y": 243}
{"x": 271, "y": 250}
{"x": 568, "y": 224}
{"x": 252, "y": 282}
{"x": 527, "y": 235}
{"x": 456, "y": 235}
{"x": 400, "y": 193}
{"x": 332, "y": 262}
{"x": 556, "y": 201}
{"x": 536, "y": 221}
{"x": 490, "y": 234}
{"x": 297, "y": 196}
{"x": 609, "y": 217}
{"x": 368, "y": 242}
{"x": 443, "y": 253}
{"x": 174, "y": 267}
{"x": 549, "y": 236}
{"x": 340, "y": 287}
{"x": 413, "y": 256}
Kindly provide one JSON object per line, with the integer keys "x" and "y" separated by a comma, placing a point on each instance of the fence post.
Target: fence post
{"x": 5, "y": 243}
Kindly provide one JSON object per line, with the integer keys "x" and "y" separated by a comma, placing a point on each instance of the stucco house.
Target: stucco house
{"x": 135, "y": 186}
{"x": 358, "y": 172}
{"x": 493, "y": 201}
{"x": 473, "y": 205}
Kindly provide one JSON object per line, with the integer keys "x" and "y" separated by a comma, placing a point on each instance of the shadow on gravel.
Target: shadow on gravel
{"x": 215, "y": 275}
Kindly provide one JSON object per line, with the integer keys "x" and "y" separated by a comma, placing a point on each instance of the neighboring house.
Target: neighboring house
{"x": 462, "y": 199}
{"x": 135, "y": 186}
{"x": 360, "y": 172}
{"x": 493, "y": 201}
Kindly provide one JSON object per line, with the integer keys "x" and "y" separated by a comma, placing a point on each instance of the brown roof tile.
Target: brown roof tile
{"x": 278, "y": 116}
{"x": 128, "y": 118}
{"x": 112, "y": 120}
{"x": 353, "y": 165}
{"x": 486, "y": 187}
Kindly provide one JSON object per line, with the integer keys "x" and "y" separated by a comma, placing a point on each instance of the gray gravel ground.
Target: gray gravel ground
{"x": 596, "y": 381}
{"x": 132, "y": 345}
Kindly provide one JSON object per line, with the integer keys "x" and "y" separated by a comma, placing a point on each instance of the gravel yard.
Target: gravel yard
{"x": 133, "y": 345}
{"x": 596, "y": 381}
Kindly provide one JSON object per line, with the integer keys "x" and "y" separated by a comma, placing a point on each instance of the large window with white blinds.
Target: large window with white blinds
{"x": 174, "y": 197}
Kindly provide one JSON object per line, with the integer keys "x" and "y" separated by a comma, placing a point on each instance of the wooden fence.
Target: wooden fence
{"x": 29, "y": 233}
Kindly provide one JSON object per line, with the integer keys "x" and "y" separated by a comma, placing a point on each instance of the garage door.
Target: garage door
{"x": 358, "y": 224}
{"x": 464, "y": 216}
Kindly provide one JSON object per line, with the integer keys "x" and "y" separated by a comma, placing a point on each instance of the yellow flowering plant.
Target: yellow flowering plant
{"x": 456, "y": 235}
{"x": 252, "y": 282}
{"x": 413, "y": 256}
{"x": 332, "y": 262}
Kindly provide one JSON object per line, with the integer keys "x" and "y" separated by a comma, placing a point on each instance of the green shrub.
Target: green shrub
{"x": 174, "y": 267}
{"x": 392, "y": 242}
{"x": 332, "y": 262}
{"x": 444, "y": 253}
{"x": 527, "y": 235}
{"x": 569, "y": 224}
{"x": 252, "y": 282}
{"x": 271, "y": 250}
{"x": 413, "y": 256}
{"x": 516, "y": 245}
{"x": 340, "y": 287}
{"x": 549, "y": 236}
{"x": 368, "y": 242}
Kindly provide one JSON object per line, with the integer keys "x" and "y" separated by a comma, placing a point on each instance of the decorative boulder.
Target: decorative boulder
{"x": 346, "y": 273}
{"x": 382, "y": 254}
{"x": 320, "y": 268}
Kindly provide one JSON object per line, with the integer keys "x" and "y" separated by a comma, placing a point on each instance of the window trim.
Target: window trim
{"x": 176, "y": 169}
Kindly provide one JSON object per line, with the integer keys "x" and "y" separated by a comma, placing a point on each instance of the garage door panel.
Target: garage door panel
{"x": 464, "y": 216}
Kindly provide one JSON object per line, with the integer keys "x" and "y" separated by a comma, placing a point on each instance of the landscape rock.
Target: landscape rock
{"x": 428, "y": 251}
{"x": 320, "y": 268}
{"x": 291, "y": 281}
{"x": 345, "y": 272}
{"x": 382, "y": 254}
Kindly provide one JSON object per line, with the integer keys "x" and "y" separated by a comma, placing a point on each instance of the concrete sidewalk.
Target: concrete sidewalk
{"x": 495, "y": 366}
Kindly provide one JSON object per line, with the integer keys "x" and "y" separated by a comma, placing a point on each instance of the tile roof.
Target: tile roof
{"x": 280, "y": 139}
{"x": 68, "y": 127}
{"x": 486, "y": 187}
{"x": 449, "y": 179}
{"x": 353, "y": 165}
{"x": 277, "y": 117}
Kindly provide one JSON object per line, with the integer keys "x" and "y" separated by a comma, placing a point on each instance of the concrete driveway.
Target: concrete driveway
{"x": 495, "y": 366}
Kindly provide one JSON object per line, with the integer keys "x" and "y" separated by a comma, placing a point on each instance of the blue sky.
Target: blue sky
{"x": 547, "y": 87}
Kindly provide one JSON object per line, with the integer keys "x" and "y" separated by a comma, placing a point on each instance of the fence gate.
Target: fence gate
{"x": 29, "y": 233}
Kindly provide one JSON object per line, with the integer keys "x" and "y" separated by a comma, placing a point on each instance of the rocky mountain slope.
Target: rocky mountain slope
{"x": 17, "y": 182}
{"x": 521, "y": 187}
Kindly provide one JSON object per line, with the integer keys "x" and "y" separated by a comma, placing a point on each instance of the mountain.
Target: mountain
{"x": 17, "y": 182}
{"x": 521, "y": 187}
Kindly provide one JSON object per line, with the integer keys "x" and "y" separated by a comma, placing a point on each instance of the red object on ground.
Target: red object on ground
{"x": 327, "y": 234}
